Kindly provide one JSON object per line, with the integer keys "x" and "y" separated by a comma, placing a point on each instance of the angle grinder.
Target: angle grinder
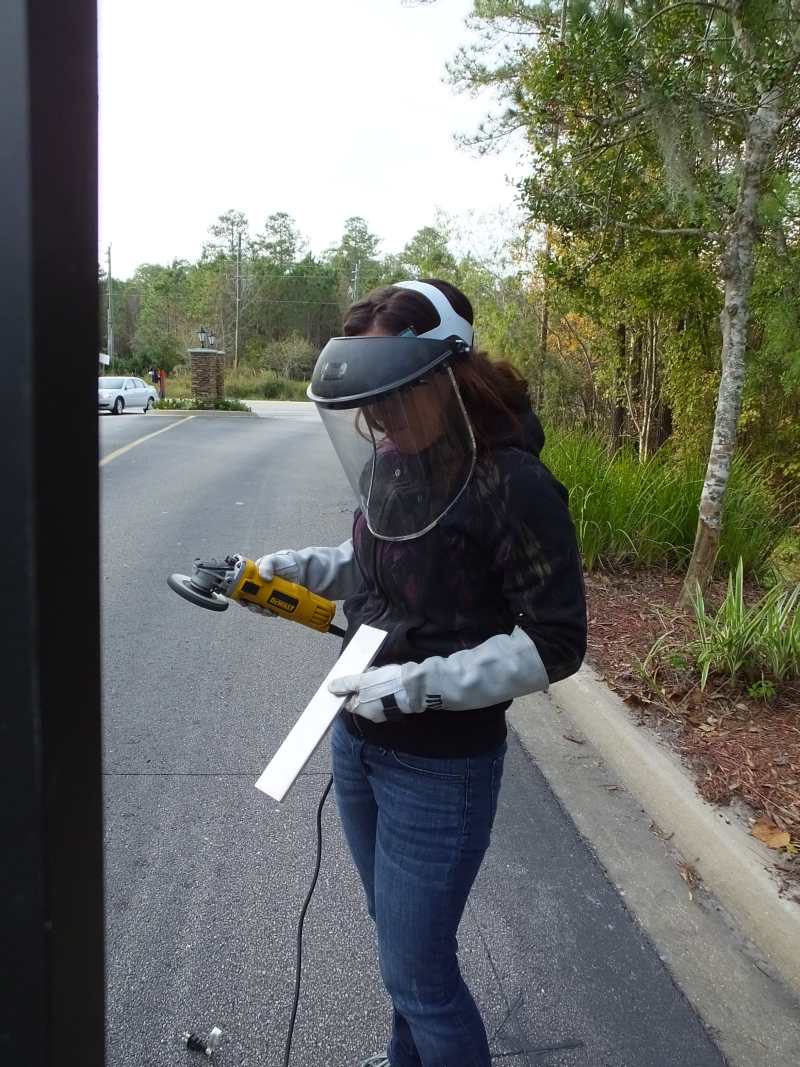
{"x": 214, "y": 583}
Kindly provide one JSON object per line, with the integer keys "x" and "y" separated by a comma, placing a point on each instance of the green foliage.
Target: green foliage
{"x": 638, "y": 119}
{"x": 633, "y": 118}
{"x": 509, "y": 316}
{"x": 163, "y": 327}
{"x": 770, "y": 418}
{"x": 246, "y": 383}
{"x": 786, "y": 557}
{"x": 623, "y": 511}
{"x": 229, "y": 229}
{"x": 125, "y": 311}
{"x": 188, "y": 403}
{"x": 427, "y": 255}
{"x": 757, "y": 517}
{"x": 292, "y": 357}
{"x": 135, "y": 364}
{"x": 358, "y": 248}
{"x": 273, "y": 387}
{"x": 267, "y": 385}
{"x": 762, "y": 689}
{"x": 758, "y": 643}
{"x": 630, "y": 512}
{"x": 280, "y": 242}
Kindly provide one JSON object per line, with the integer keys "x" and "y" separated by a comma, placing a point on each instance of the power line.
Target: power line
{"x": 317, "y": 303}
{"x": 288, "y": 277}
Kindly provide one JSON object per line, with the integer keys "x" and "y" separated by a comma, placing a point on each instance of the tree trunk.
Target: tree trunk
{"x": 589, "y": 401}
{"x": 651, "y": 393}
{"x": 664, "y": 424}
{"x": 647, "y": 391}
{"x": 547, "y": 257}
{"x": 544, "y": 335}
{"x": 737, "y": 274}
{"x": 635, "y": 373}
{"x": 618, "y": 411}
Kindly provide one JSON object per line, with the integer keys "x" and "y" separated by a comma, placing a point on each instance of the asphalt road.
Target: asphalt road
{"x": 205, "y": 876}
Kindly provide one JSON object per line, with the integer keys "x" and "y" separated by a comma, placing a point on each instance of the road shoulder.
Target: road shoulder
{"x": 730, "y": 942}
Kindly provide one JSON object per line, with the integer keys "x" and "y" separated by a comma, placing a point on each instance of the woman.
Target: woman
{"x": 463, "y": 551}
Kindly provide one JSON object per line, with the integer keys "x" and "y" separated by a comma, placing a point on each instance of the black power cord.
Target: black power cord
{"x": 541, "y": 1050}
{"x": 299, "y": 956}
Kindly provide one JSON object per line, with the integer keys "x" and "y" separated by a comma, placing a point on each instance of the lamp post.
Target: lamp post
{"x": 208, "y": 368}
{"x": 208, "y": 339}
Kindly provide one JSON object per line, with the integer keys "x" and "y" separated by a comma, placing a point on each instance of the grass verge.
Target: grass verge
{"x": 245, "y": 384}
{"x": 646, "y": 513}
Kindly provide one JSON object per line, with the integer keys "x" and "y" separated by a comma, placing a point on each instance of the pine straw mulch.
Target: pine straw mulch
{"x": 739, "y": 747}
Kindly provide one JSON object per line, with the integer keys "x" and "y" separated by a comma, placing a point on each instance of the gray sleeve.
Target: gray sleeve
{"x": 330, "y": 572}
{"x": 501, "y": 668}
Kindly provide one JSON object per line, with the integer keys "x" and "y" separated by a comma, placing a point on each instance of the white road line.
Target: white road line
{"x": 141, "y": 440}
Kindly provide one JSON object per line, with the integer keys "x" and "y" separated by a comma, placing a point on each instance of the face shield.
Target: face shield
{"x": 396, "y": 419}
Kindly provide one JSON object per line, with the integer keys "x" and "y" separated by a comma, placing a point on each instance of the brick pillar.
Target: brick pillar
{"x": 208, "y": 374}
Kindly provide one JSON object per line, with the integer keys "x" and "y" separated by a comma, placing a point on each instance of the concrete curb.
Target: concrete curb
{"x": 202, "y": 413}
{"x": 732, "y": 864}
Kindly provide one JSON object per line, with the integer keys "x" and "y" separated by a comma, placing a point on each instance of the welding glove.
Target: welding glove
{"x": 329, "y": 572}
{"x": 503, "y": 667}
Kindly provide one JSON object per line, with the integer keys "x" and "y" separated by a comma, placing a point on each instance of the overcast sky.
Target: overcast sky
{"x": 322, "y": 108}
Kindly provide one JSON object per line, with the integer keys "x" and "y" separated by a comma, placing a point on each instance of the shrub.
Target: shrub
{"x": 292, "y": 357}
{"x": 276, "y": 388}
{"x": 246, "y": 383}
{"x": 188, "y": 403}
{"x": 627, "y": 511}
{"x": 758, "y": 644}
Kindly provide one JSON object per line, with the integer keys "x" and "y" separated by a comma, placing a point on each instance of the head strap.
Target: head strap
{"x": 450, "y": 322}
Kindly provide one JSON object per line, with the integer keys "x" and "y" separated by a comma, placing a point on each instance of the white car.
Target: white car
{"x": 116, "y": 394}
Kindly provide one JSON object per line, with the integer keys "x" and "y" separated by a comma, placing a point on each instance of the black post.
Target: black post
{"x": 50, "y": 786}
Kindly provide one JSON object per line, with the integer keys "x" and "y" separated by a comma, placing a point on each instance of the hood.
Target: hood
{"x": 532, "y": 432}
{"x": 527, "y": 434}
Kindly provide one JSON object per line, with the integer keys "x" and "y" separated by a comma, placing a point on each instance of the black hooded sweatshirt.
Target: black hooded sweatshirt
{"x": 505, "y": 555}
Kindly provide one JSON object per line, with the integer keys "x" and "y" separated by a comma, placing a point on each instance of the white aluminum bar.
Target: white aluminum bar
{"x": 322, "y": 709}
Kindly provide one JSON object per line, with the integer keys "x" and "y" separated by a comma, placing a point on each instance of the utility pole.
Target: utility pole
{"x": 238, "y": 277}
{"x": 355, "y": 280}
{"x": 109, "y": 312}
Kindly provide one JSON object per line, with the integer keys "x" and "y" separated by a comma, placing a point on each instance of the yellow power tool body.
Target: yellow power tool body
{"x": 214, "y": 583}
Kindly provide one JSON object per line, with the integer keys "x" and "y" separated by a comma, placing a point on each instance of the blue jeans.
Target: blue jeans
{"x": 418, "y": 828}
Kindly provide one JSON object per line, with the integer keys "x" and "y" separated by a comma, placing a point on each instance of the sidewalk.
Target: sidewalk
{"x": 731, "y": 943}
